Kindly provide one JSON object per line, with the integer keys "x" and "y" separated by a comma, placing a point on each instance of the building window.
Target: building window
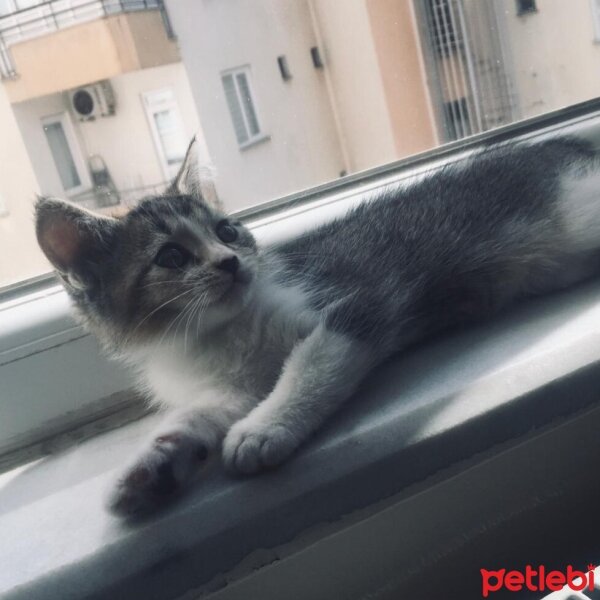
{"x": 69, "y": 163}
{"x": 166, "y": 125}
{"x": 526, "y": 6}
{"x": 457, "y": 119}
{"x": 443, "y": 26}
{"x": 240, "y": 100}
{"x": 6, "y": 7}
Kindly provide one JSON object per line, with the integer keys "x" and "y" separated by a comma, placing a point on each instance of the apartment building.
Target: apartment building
{"x": 293, "y": 93}
{"x": 100, "y": 96}
{"x": 97, "y": 107}
{"x": 283, "y": 95}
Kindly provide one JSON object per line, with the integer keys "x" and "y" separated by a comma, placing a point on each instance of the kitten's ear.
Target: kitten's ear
{"x": 195, "y": 178}
{"x": 74, "y": 240}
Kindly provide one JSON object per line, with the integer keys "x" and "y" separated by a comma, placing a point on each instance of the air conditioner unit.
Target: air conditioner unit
{"x": 93, "y": 101}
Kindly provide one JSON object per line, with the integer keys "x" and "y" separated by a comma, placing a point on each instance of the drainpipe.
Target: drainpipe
{"x": 330, "y": 91}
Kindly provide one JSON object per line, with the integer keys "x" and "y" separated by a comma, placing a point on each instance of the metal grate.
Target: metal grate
{"x": 469, "y": 66}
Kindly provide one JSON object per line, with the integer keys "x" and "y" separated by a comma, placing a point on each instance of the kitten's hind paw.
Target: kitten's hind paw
{"x": 156, "y": 477}
{"x": 251, "y": 446}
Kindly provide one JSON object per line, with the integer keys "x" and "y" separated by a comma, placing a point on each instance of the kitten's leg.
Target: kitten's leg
{"x": 321, "y": 373}
{"x": 174, "y": 458}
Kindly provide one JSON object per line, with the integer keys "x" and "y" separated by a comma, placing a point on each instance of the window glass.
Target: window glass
{"x": 23, "y": 4}
{"x": 282, "y": 96}
{"x": 61, "y": 153}
{"x": 6, "y": 7}
{"x": 171, "y": 138}
{"x": 246, "y": 98}
{"x": 167, "y": 129}
{"x": 235, "y": 109}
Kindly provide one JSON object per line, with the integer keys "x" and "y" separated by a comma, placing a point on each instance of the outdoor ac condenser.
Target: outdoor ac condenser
{"x": 93, "y": 101}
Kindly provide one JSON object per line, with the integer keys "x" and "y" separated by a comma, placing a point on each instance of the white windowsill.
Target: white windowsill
{"x": 254, "y": 142}
{"x": 461, "y": 398}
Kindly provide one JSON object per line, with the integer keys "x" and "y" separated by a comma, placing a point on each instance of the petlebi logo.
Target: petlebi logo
{"x": 536, "y": 580}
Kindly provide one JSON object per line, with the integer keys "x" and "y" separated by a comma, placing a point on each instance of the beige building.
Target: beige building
{"x": 102, "y": 103}
{"x": 555, "y": 53}
{"x": 293, "y": 93}
{"x": 19, "y": 257}
{"x": 107, "y": 113}
{"x": 283, "y": 94}
{"x": 493, "y": 62}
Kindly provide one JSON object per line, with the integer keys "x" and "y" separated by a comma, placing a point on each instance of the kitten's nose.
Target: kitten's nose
{"x": 230, "y": 264}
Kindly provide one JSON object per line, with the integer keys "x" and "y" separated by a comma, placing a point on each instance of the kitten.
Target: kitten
{"x": 253, "y": 348}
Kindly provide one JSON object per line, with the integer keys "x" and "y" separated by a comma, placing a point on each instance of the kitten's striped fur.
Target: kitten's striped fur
{"x": 252, "y": 362}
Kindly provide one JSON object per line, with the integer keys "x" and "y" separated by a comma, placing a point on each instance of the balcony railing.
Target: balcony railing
{"x": 52, "y": 15}
{"x": 117, "y": 200}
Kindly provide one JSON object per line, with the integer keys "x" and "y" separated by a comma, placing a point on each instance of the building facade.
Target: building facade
{"x": 120, "y": 56}
{"x": 292, "y": 93}
{"x": 102, "y": 103}
{"x": 282, "y": 95}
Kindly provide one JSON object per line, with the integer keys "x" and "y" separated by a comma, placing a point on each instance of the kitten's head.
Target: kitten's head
{"x": 174, "y": 263}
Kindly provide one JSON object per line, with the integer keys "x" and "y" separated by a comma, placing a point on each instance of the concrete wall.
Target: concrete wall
{"x": 19, "y": 253}
{"x": 373, "y": 56}
{"x": 556, "y": 60}
{"x": 399, "y": 54}
{"x": 303, "y": 148}
{"x": 352, "y": 62}
{"x": 124, "y": 140}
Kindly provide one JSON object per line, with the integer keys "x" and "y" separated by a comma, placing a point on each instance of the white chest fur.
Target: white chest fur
{"x": 244, "y": 357}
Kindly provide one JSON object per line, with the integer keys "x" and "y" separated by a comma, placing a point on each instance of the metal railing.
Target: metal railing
{"x": 102, "y": 198}
{"x": 53, "y": 15}
{"x": 470, "y": 69}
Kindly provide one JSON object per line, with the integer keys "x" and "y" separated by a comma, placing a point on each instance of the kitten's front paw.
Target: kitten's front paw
{"x": 170, "y": 463}
{"x": 252, "y": 445}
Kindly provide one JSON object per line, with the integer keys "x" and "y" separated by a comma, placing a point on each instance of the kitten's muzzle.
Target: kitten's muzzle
{"x": 231, "y": 264}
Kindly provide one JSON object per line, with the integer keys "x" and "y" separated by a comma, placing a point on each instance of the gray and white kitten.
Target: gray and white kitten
{"x": 253, "y": 348}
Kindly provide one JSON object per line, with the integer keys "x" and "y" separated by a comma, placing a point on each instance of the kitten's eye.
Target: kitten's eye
{"x": 227, "y": 233}
{"x": 172, "y": 256}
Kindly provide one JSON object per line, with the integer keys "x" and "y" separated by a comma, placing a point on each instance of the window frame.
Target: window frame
{"x": 85, "y": 182}
{"x": 152, "y": 106}
{"x": 246, "y": 71}
{"x": 38, "y": 335}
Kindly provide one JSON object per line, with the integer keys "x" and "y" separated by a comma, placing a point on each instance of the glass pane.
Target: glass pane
{"x": 23, "y": 4}
{"x": 235, "y": 110}
{"x": 395, "y": 78}
{"x": 61, "y": 153}
{"x": 172, "y": 139}
{"x": 244, "y": 90}
{"x": 6, "y": 7}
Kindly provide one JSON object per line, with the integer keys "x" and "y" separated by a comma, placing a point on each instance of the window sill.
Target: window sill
{"x": 458, "y": 399}
{"x": 254, "y": 142}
